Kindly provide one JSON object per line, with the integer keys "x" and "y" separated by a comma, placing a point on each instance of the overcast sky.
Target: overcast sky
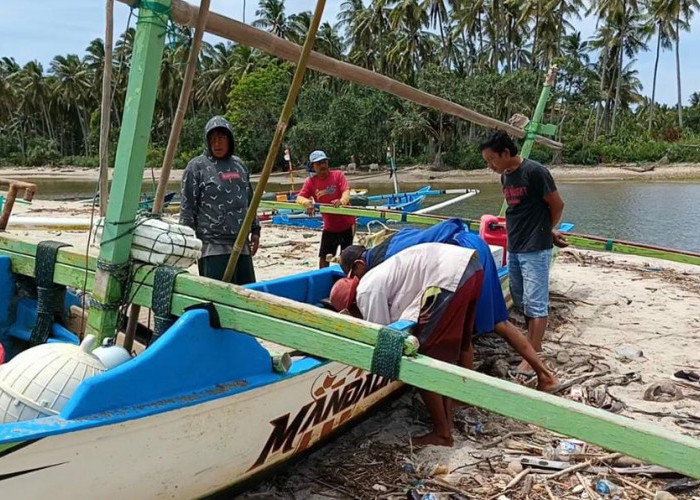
{"x": 41, "y": 29}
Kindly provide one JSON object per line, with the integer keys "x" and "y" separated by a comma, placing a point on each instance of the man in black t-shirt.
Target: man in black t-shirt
{"x": 534, "y": 210}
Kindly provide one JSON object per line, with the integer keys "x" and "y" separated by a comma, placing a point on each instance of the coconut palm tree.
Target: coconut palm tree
{"x": 73, "y": 87}
{"x": 271, "y": 16}
{"x": 663, "y": 24}
{"x": 681, "y": 12}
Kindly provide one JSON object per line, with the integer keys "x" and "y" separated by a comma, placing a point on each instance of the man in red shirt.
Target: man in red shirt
{"x": 331, "y": 187}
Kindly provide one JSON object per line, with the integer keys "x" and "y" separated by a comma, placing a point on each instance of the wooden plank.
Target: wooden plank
{"x": 644, "y": 441}
{"x": 225, "y": 27}
{"x": 632, "y": 249}
{"x": 128, "y": 168}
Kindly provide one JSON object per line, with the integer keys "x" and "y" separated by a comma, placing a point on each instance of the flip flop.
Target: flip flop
{"x": 523, "y": 377}
{"x": 688, "y": 375}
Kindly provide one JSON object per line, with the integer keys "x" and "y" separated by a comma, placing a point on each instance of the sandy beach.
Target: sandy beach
{"x": 410, "y": 174}
{"x": 618, "y": 325}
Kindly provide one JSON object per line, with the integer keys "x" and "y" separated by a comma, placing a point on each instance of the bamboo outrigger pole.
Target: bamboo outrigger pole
{"x": 536, "y": 126}
{"x": 106, "y": 107}
{"x": 186, "y": 14}
{"x": 170, "y": 150}
{"x": 276, "y": 141}
{"x": 115, "y": 249}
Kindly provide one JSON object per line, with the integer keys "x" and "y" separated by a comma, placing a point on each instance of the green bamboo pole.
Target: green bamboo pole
{"x": 276, "y": 140}
{"x": 128, "y": 169}
{"x": 171, "y": 148}
{"x": 536, "y": 126}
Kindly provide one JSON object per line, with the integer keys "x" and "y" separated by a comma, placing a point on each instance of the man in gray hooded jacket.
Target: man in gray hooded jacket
{"x": 216, "y": 193}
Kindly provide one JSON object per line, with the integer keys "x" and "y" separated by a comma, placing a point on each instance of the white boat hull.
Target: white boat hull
{"x": 196, "y": 450}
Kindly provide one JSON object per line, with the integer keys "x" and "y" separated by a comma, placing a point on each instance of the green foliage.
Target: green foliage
{"x": 42, "y": 152}
{"x": 254, "y": 106}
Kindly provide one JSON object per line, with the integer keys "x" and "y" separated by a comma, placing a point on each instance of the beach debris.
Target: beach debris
{"x": 664, "y": 495}
{"x": 688, "y": 375}
{"x": 628, "y": 352}
{"x": 682, "y": 485}
{"x": 663, "y": 392}
{"x": 605, "y": 487}
{"x": 563, "y": 357}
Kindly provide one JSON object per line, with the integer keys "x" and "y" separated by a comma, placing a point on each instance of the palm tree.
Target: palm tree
{"x": 663, "y": 24}
{"x": 681, "y": 12}
{"x": 298, "y": 26}
{"x": 73, "y": 89}
{"x": 271, "y": 16}
{"x": 438, "y": 14}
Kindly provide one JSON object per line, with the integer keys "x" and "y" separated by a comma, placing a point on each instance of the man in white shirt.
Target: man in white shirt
{"x": 433, "y": 284}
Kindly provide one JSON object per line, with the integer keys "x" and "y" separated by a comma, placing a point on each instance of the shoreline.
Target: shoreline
{"x": 418, "y": 174}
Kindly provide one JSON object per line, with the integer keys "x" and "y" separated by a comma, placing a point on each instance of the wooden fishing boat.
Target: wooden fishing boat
{"x": 211, "y": 402}
{"x": 206, "y": 406}
{"x": 400, "y": 202}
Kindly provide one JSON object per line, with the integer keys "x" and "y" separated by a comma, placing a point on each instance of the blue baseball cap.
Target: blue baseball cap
{"x": 317, "y": 156}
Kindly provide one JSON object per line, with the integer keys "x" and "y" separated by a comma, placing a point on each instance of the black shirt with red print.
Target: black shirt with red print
{"x": 527, "y": 216}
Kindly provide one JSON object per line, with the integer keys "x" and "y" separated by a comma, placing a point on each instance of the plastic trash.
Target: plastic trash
{"x": 605, "y": 487}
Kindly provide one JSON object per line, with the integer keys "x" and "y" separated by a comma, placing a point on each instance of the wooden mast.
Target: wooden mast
{"x": 225, "y": 27}
{"x": 128, "y": 169}
{"x": 106, "y": 106}
{"x": 171, "y": 148}
{"x": 276, "y": 141}
{"x": 536, "y": 126}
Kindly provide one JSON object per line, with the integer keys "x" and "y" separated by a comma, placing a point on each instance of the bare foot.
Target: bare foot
{"x": 434, "y": 439}
{"x": 548, "y": 384}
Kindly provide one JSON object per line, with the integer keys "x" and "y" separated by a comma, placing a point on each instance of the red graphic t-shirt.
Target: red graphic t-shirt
{"x": 327, "y": 191}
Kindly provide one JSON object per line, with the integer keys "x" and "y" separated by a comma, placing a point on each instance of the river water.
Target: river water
{"x": 656, "y": 213}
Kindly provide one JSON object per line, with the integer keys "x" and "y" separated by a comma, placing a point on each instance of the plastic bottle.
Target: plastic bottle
{"x": 605, "y": 487}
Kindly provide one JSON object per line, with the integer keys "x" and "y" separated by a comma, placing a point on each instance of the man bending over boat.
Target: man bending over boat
{"x": 328, "y": 186}
{"x": 532, "y": 216}
{"x": 432, "y": 284}
{"x": 216, "y": 193}
{"x": 491, "y": 311}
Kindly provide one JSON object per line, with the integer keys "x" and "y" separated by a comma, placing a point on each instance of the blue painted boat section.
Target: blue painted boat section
{"x": 402, "y": 202}
{"x": 192, "y": 363}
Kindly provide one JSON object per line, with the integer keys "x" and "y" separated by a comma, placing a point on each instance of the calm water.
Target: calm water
{"x": 659, "y": 213}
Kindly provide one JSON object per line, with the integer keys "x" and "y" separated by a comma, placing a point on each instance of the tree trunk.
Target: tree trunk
{"x": 678, "y": 72}
{"x": 653, "y": 85}
{"x": 618, "y": 88}
{"x": 534, "y": 43}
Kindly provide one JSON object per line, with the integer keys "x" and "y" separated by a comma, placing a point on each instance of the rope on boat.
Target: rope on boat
{"x": 386, "y": 358}
{"x": 163, "y": 286}
{"x": 50, "y": 296}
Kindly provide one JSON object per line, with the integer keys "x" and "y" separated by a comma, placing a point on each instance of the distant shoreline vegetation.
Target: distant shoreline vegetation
{"x": 490, "y": 57}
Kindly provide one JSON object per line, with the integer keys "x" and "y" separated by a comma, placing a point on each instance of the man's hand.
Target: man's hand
{"x": 254, "y": 243}
{"x": 558, "y": 239}
{"x": 310, "y": 207}
{"x": 337, "y": 203}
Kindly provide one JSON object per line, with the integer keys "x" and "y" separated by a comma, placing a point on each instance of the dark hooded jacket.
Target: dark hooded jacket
{"x": 216, "y": 193}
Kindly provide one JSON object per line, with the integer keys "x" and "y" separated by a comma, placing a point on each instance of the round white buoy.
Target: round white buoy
{"x": 39, "y": 381}
{"x": 111, "y": 354}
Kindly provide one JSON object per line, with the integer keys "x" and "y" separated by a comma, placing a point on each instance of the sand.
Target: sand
{"x": 410, "y": 174}
{"x": 600, "y": 303}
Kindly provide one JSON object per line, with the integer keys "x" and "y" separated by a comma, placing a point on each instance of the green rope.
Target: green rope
{"x": 50, "y": 297}
{"x": 163, "y": 286}
{"x": 386, "y": 359}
